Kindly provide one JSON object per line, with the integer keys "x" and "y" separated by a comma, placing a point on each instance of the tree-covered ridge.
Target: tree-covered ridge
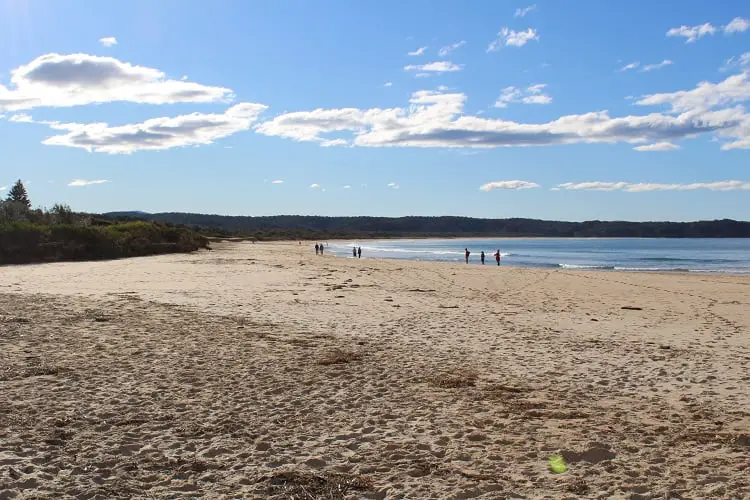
{"x": 313, "y": 227}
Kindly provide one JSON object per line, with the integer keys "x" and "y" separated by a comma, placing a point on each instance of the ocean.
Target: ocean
{"x": 694, "y": 255}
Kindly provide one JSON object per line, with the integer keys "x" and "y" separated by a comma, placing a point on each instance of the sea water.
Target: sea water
{"x": 695, "y": 255}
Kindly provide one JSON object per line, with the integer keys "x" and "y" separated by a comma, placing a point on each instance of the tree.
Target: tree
{"x": 18, "y": 194}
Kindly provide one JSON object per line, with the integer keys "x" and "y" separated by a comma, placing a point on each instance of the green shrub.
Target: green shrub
{"x": 26, "y": 242}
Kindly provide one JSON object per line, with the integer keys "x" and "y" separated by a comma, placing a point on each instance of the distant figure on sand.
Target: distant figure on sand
{"x": 354, "y": 252}
{"x": 359, "y": 252}
{"x": 497, "y": 257}
{"x": 321, "y": 249}
{"x": 317, "y": 249}
{"x": 481, "y": 256}
{"x": 467, "y": 254}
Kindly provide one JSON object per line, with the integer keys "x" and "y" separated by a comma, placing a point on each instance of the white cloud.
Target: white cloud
{"x": 737, "y": 25}
{"x": 522, "y": 12}
{"x": 334, "y": 142}
{"x": 533, "y": 94}
{"x": 55, "y": 80}
{"x": 108, "y": 41}
{"x": 742, "y": 61}
{"x": 435, "y": 119}
{"x": 315, "y": 186}
{"x": 651, "y": 67}
{"x": 388, "y": 84}
{"x": 418, "y": 52}
{"x": 444, "y": 51}
{"x": 658, "y": 146}
{"x": 393, "y": 185}
{"x": 692, "y": 33}
{"x": 347, "y": 186}
{"x": 157, "y": 133}
{"x": 511, "y": 38}
{"x": 630, "y": 66}
{"x": 84, "y": 183}
{"x": 3, "y": 188}
{"x": 20, "y": 118}
{"x": 277, "y": 182}
{"x": 735, "y": 88}
{"x": 434, "y": 67}
{"x": 517, "y": 185}
{"x": 642, "y": 187}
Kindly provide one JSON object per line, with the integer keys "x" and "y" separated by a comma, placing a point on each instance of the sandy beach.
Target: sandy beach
{"x": 263, "y": 371}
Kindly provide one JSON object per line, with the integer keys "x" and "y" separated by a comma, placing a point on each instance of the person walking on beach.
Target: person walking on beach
{"x": 316, "y": 249}
{"x": 321, "y": 249}
{"x": 354, "y": 252}
{"x": 481, "y": 256}
{"x": 467, "y": 254}
{"x": 497, "y": 256}
{"x": 359, "y": 252}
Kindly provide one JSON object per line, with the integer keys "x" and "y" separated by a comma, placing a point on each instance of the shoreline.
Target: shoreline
{"x": 510, "y": 266}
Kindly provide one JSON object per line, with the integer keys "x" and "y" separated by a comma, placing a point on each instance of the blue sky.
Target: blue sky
{"x": 558, "y": 110}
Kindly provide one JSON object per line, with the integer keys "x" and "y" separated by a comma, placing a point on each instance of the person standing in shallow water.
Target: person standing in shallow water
{"x": 316, "y": 249}
{"x": 354, "y": 252}
{"x": 359, "y": 252}
{"x": 497, "y": 256}
{"x": 466, "y": 250}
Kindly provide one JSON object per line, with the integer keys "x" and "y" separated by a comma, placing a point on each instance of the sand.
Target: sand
{"x": 264, "y": 371}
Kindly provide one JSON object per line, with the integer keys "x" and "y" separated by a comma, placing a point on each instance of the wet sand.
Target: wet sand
{"x": 264, "y": 371}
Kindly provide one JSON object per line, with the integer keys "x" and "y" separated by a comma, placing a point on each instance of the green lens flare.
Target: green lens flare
{"x": 557, "y": 464}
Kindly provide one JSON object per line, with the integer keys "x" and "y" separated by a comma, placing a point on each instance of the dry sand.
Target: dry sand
{"x": 262, "y": 370}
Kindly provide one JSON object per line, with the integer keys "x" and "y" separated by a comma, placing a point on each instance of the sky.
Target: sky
{"x": 568, "y": 110}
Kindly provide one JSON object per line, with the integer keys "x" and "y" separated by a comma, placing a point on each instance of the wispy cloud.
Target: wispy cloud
{"x": 434, "y": 67}
{"x": 510, "y": 38}
{"x": 734, "y": 61}
{"x": 522, "y": 12}
{"x": 533, "y": 94}
{"x": 658, "y": 146}
{"x": 388, "y": 84}
{"x": 444, "y": 51}
{"x": 737, "y": 25}
{"x": 334, "y": 142}
{"x": 108, "y": 41}
{"x": 279, "y": 181}
{"x": 513, "y": 185}
{"x": 3, "y": 188}
{"x": 642, "y": 187}
{"x": 347, "y": 186}
{"x": 692, "y": 33}
{"x": 393, "y": 185}
{"x": 315, "y": 186}
{"x": 652, "y": 67}
{"x": 55, "y": 80}
{"x": 630, "y": 66}
{"x": 84, "y": 183}
{"x": 21, "y": 118}
{"x": 417, "y": 52}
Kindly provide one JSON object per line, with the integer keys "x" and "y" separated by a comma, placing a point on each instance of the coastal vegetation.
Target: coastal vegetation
{"x": 57, "y": 234}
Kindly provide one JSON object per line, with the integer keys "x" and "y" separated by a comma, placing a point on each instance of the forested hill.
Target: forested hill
{"x": 313, "y": 227}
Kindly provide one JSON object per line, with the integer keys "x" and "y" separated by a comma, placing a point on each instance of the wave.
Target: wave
{"x": 585, "y": 266}
{"x": 678, "y": 259}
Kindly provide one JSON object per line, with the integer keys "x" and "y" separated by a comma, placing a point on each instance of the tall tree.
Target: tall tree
{"x": 18, "y": 194}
